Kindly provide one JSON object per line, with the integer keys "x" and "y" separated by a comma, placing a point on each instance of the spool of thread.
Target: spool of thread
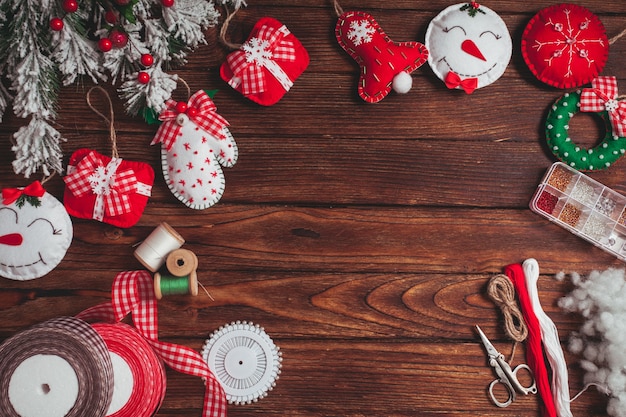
{"x": 181, "y": 262}
{"x": 154, "y": 249}
{"x": 172, "y": 285}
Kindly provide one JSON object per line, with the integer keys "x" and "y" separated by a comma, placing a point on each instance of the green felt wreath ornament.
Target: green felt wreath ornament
{"x": 602, "y": 156}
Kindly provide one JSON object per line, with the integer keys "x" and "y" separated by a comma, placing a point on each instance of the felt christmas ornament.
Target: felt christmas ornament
{"x": 196, "y": 143}
{"x": 35, "y": 232}
{"x": 565, "y": 45}
{"x": 265, "y": 67}
{"x": 108, "y": 189}
{"x": 384, "y": 64}
{"x": 469, "y": 45}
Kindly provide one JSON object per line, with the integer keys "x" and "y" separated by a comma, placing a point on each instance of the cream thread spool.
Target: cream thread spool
{"x": 154, "y": 249}
{"x": 171, "y": 285}
{"x": 181, "y": 262}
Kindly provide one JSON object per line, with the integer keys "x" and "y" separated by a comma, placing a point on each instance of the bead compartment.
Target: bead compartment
{"x": 584, "y": 207}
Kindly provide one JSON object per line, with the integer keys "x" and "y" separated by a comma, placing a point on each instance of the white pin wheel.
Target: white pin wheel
{"x": 244, "y": 360}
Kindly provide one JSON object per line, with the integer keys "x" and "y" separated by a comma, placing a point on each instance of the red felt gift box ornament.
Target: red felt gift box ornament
{"x": 265, "y": 67}
{"x": 108, "y": 189}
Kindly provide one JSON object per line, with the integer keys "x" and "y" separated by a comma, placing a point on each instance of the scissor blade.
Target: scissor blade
{"x": 491, "y": 350}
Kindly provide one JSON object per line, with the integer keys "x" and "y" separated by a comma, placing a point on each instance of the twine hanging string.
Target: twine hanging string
{"x": 501, "y": 291}
{"x": 109, "y": 119}
{"x": 337, "y": 7}
{"x": 224, "y": 30}
{"x": 617, "y": 37}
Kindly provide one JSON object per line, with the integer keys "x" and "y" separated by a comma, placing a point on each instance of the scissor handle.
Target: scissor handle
{"x": 509, "y": 389}
{"x": 532, "y": 389}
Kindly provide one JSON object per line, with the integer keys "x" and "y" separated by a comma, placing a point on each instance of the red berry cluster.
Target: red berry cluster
{"x": 69, "y": 6}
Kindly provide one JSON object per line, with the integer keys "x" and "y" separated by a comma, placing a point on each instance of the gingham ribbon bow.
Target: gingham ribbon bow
{"x": 111, "y": 187}
{"x": 603, "y": 96}
{"x": 200, "y": 109}
{"x": 133, "y": 293}
{"x": 262, "y": 51}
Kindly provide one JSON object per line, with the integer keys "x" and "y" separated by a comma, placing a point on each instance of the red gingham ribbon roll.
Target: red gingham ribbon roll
{"x": 111, "y": 187}
{"x": 200, "y": 110}
{"x": 147, "y": 370}
{"x": 133, "y": 292}
{"x": 603, "y": 96}
{"x": 74, "y": 370}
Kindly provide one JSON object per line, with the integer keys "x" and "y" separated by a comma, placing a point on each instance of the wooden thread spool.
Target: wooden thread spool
{"x": 181, "y": 262}
{"x": 172, "y": 285}
{"x": 154, "y": 249}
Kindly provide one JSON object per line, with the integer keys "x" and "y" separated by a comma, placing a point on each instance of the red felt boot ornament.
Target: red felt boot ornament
{"x": 384, "y": 64}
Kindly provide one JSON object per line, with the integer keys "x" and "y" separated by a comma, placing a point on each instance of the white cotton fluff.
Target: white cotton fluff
{"x": 402, "y": 82}
{"x": 601, "y": 340}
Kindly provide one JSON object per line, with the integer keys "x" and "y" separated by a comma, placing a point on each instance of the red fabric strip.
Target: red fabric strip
{"x": 534, "y": 347}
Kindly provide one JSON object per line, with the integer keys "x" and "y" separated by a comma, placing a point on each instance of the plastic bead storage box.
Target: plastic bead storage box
{"x": 583, "y": 206}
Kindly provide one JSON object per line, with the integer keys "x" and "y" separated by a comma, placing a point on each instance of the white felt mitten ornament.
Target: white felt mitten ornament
{"x": 196, "y": 143}
{"x": 35, "y": 232}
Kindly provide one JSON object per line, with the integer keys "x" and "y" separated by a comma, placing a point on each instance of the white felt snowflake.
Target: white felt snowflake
{"x": 361, "y": 32}
{"x": 257, "y": 50}
{"x": 100, "y": 181}
{"x": 571, "y": 41}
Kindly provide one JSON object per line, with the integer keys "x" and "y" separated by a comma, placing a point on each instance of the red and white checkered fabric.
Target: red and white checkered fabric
{"x": 204, "y": 115}
{"x": 603, "y": 96}
{"x": 266, "y": 50}
{"x": 112, "y": 186}
{"x": 133, "y": 293}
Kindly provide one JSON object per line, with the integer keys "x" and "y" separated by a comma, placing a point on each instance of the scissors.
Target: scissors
{"x": 506, "y": 375}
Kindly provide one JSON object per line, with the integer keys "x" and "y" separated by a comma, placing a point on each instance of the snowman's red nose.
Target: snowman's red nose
{"x": 12, "y": 239}
{"x": 470, "y": 47}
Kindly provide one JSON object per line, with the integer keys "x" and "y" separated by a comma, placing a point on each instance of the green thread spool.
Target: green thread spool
{"x": 173, "y": 285}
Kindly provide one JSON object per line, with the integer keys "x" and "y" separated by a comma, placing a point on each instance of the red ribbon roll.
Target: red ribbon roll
{"x": 148, "y": 372}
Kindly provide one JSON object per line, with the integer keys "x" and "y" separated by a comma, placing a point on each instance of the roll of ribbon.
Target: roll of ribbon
{"x": 58, "y": 368}
{"x": 172, "y": 285}
{"x": 139, "y": 375}
{"x": 154, "y": 249}
{"x": 181, "y": 262}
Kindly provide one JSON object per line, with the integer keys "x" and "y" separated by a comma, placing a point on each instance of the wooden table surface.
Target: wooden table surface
{"x": 360, "y": 236}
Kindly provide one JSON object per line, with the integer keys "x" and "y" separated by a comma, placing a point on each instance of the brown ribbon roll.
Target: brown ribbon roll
{"x": 64, "y": 343}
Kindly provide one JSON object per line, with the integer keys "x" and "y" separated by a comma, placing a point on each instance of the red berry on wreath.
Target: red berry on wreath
{"x": 143, "y": 77}
{"x": 70, "y": 6}
{"x": 192, "y": 112}
{"x": 147, "y": 60}
{"x": 105, "y": 44}
{"x": 56, "y": 24}
{"x": 111, "y": 17}
{"x": 118, "y": 39}
{"x": 181, "y": 107}
{"x": 167, "y": 3}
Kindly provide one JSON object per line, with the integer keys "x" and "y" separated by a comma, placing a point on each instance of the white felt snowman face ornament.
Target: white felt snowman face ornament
{"x": 35, "y": 232}
{"x": 469, "y": 45}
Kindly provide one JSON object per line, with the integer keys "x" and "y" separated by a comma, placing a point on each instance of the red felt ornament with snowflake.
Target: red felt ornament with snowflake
{"x": 265, "y": 67}
{"x": 195, "y": 144}
{"x": 384, "y": 64}
{"x": 565, "y": 45}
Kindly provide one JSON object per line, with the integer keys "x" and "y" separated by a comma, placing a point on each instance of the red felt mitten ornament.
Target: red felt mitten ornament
{"x": 384, "y": 64}
{"x": 196, "y": 143}
{"x": 565, "y": 45}
{"x": 35, "y": 232}
{"x": 265, "y": 67}
{"x": 108, "y": 189}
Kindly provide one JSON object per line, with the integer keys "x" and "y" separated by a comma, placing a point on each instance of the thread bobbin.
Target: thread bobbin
{"x": 154, "y": 249}
{"x": 160, "y": 279}
{"x": 181, "y": 262}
